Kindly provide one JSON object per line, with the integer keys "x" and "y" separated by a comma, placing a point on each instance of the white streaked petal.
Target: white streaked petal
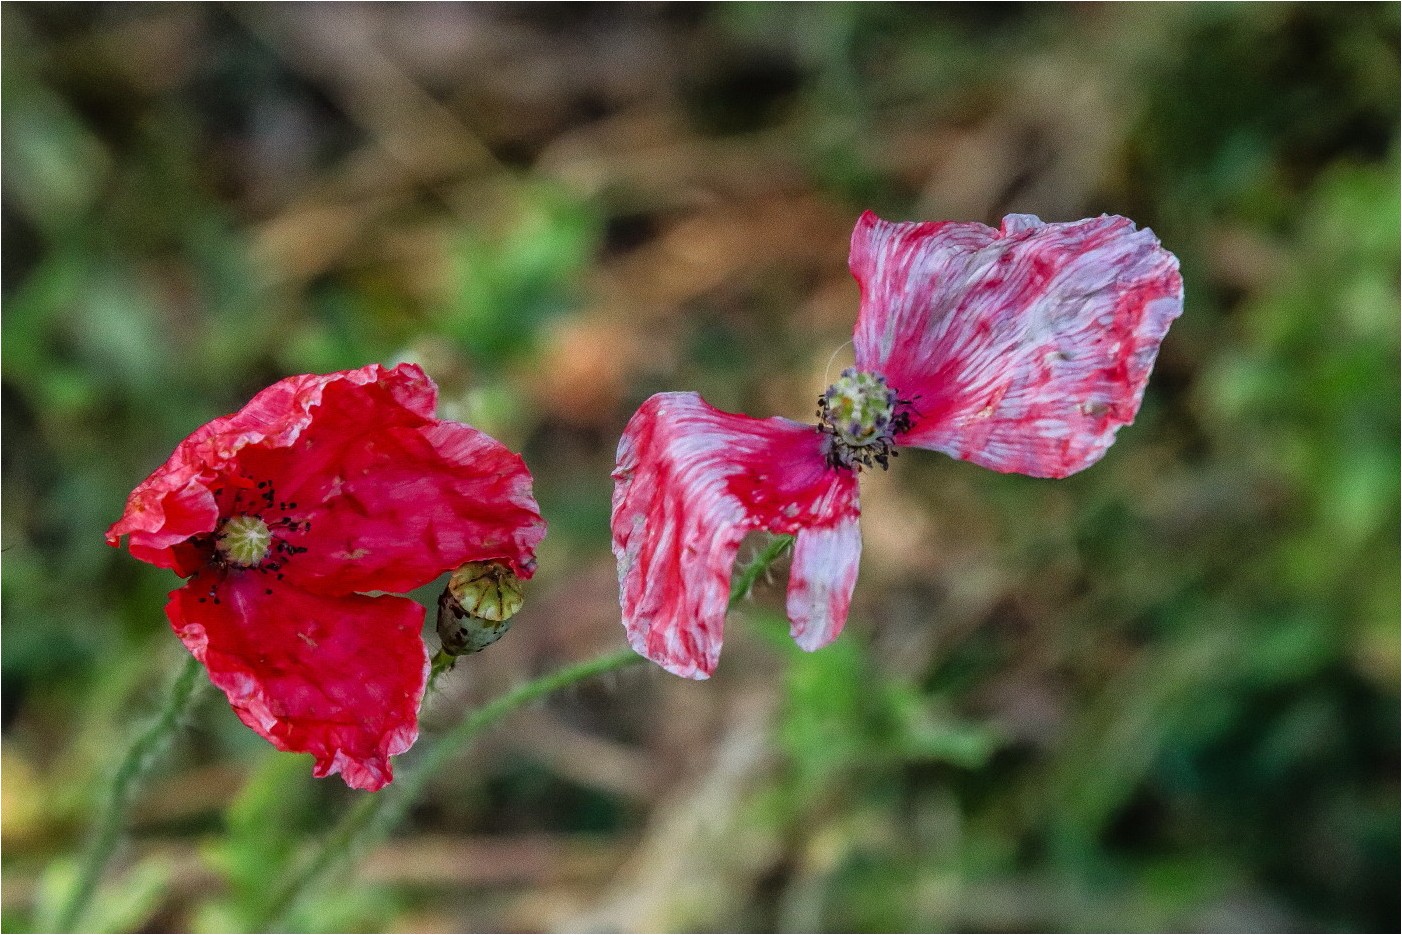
{"x": 821, "y": 580}
{"x": 690, "y": 482}
{"x": 1022, "y": 349}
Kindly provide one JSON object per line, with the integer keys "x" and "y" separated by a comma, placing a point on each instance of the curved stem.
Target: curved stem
{"x": 140, "y": 757}
{"x": 375, "y": 815}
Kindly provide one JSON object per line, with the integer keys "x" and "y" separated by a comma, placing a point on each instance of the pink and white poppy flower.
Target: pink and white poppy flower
{"x": 1022, "y": 349}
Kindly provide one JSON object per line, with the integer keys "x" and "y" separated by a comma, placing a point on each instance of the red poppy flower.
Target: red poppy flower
{"x": 1021, "y": 349}
{"x": 284, "y": 513}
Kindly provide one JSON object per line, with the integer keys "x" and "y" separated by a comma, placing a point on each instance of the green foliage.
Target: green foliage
{"x": 266, "y": 829}
{"x": 508, "y": 281}
{"x": 123, "y": 905}
{"x": 845, "y": 718}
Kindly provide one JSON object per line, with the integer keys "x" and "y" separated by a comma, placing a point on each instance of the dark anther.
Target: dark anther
{"x": 842, "y": 448}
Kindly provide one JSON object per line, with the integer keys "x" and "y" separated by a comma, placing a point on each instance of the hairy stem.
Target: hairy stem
{"x": 374, "y": 815}
{"x": 746, "y": 577}
{"x": 140, "y": 757}
{"x": 377, "y": 814}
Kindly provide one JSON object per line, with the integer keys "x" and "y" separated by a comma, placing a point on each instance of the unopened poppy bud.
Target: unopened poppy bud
{"x": 476, "y": 607}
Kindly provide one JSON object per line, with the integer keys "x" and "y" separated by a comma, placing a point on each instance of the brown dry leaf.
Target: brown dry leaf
{"x": 456, "y": 861}
{"x": 587, "y": 759}
{"x": 697, "y": 843}
{"x": 581, "y": 375}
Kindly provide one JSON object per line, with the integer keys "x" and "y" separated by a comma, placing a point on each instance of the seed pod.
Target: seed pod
{"x": 476, "y": 607}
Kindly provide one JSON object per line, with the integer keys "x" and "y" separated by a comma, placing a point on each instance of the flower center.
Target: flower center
{"x": 858, "y": 415}
{"x": 244, "y": 540}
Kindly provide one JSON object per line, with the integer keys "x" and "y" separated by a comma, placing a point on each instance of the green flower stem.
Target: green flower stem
{"x": 140, "y": 758}
{"x": 375, "y": 815}
{"x": 442, "y": 662}
{"x": 746, "y": 577}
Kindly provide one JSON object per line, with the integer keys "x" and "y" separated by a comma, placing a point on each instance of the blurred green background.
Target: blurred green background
{"x": 1161, "y": 695}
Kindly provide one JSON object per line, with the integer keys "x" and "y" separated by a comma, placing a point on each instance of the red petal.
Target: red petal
{"x": 1024, "y": 349}
{"x": 339, "y": 678}
{"x": 691, "y": 481}
{"x": 394, "y": 508}
{"x": 176, "y": 501}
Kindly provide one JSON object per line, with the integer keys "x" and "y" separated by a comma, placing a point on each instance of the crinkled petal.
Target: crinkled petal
{"x": 821, "y": 580}
{"x": 178, "y": 502}
{"x": 339, "y": 678}
{"x": 690, "y": 482}
{"x": 394, "y": 508}
{"x": 1022, "y": 349}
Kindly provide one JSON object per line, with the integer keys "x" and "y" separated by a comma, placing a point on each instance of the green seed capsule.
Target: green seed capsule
{"x": 476, "y": 607}
{"x": 487, "y": 589}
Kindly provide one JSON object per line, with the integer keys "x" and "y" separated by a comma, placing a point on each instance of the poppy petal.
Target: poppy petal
{"x": 177, "y": 500}
{"x": 821, "y": 580}
{"x": 691, "y": 480}
{"x": 339, "y": 678}
{"x": 405, "y": 504}
{"x": 1022, "y": 349}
